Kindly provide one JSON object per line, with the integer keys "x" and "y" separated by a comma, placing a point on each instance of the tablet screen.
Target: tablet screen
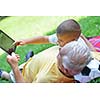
{"x": 6, "y": 43}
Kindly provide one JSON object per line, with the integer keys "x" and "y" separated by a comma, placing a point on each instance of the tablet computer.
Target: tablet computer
{"x": 7, "y": 43}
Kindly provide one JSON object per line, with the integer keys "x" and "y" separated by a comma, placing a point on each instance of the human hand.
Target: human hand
{"x": 13, "y": 59}
{"x": 19, "y": 43}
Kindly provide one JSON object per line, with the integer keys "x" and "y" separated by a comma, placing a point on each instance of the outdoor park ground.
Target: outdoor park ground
{"x": 22, "y": 27}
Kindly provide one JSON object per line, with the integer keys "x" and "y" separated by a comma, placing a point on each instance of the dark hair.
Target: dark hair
{"x": 69, "y": 26}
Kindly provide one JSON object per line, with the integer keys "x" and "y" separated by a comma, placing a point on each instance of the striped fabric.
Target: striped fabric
{"x": 95, "y": 42}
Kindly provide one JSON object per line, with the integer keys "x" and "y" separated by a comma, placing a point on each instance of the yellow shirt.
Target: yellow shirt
{"x": 42, "y": 68}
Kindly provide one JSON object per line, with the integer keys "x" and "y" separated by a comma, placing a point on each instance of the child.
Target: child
{"x": 67, "y": 31}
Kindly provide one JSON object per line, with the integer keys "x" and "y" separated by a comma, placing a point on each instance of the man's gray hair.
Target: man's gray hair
{"x": 75, "y": 56}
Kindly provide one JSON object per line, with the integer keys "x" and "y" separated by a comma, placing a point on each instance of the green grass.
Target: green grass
{"x": 21, "y": 27}
{"x": 90, "y": 25}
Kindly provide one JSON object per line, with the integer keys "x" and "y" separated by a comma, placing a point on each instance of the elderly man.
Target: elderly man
{"x": 67, "y": 65}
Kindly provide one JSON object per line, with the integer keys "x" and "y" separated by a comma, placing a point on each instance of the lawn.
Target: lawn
{"x": 21, "y": 27}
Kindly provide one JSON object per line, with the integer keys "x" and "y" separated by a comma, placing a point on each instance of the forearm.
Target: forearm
{"x": 37, "y": 40}
{"x": 18, "y": 75}
{"x": 92, "y": 48}
{"x": 13, "y": 62}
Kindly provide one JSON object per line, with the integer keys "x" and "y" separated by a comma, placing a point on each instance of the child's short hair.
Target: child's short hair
{"x": 69, "y": 26}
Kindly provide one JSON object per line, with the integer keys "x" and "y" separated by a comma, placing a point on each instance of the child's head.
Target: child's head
{"x": 68, "y": 31}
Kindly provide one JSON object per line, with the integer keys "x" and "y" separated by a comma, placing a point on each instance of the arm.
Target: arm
{"x": 92, "y": 48}
{"x": 35, "y": 40}
{"x": 13, "y": 61}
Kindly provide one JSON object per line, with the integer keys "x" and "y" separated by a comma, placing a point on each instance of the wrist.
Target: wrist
{"x": 15, "y": 68}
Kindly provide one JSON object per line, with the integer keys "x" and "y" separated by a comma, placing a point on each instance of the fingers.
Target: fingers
{"x": 18, "y": 57}
{"x": 13, "y": 59}
{"x": 8, "y": 57}
{"x": 15, "y": 43}
{"x": 15, "y": 55}
{"x": 19, "y": 43}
